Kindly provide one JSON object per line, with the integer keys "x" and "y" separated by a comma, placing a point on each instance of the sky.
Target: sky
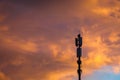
{"x": 37, "y": 39}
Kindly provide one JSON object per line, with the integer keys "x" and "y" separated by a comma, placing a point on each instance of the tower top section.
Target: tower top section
{"x": 78, "y": 41}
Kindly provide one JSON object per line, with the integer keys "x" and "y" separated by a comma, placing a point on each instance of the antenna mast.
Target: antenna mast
{"x": 78, "y": 43}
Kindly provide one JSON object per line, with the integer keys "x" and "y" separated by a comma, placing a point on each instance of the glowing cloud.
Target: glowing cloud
{"x": 45, "y": 31}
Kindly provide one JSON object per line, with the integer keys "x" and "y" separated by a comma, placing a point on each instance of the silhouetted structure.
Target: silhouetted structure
{"x": 78, "y": 43}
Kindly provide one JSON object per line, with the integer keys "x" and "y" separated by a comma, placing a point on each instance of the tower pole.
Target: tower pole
{"x": 78, "y": 43}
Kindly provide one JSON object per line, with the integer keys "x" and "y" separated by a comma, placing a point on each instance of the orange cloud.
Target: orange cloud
{"x": 107, "y": 11}
{"x": 61, "y": 75}
{"x": 4, "y": 28}
{"x": 116, "y": 69}
{"x": 57, "y": 54}
{"x": 114, "y": 37}
{"x": 55, "y": 49}
{"x": 100, "y": 53}
{"x": 3, "y": 76}
{"x": 13, "y": 42}
{"x": 22, "y": 45}
{"x": 2, "y": 18}
{"x": 102, "y": 11}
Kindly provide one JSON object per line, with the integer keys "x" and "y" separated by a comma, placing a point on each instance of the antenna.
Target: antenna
{"x": 78, "y": 44}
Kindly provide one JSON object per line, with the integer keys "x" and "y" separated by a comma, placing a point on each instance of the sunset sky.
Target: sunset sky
{"x": 37, "y": 39}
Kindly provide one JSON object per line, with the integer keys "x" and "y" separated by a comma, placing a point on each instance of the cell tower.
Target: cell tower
{"x": 78, "y": 43}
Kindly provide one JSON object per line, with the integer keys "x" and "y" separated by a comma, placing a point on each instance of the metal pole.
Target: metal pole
{"x": 78, "y": 43}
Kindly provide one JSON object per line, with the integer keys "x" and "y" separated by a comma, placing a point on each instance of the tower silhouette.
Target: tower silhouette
{"x": 78, "y": 44}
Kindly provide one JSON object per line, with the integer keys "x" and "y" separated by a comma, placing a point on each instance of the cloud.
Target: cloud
{"x": 23, "y": 45}
{"x": 2, "y": 18}
{"x": 49, "y": 35}
{"x": 3, "y": 28}
{"x": 102, "y": 11}
{"x": 13, "y": 43}
{"x": 116, "y": 69}
{"x": 114, "y": 37}
{"x": 3, "y": 76}
{"x": 99, "y": 51}
{"x": 107, "y": 11}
